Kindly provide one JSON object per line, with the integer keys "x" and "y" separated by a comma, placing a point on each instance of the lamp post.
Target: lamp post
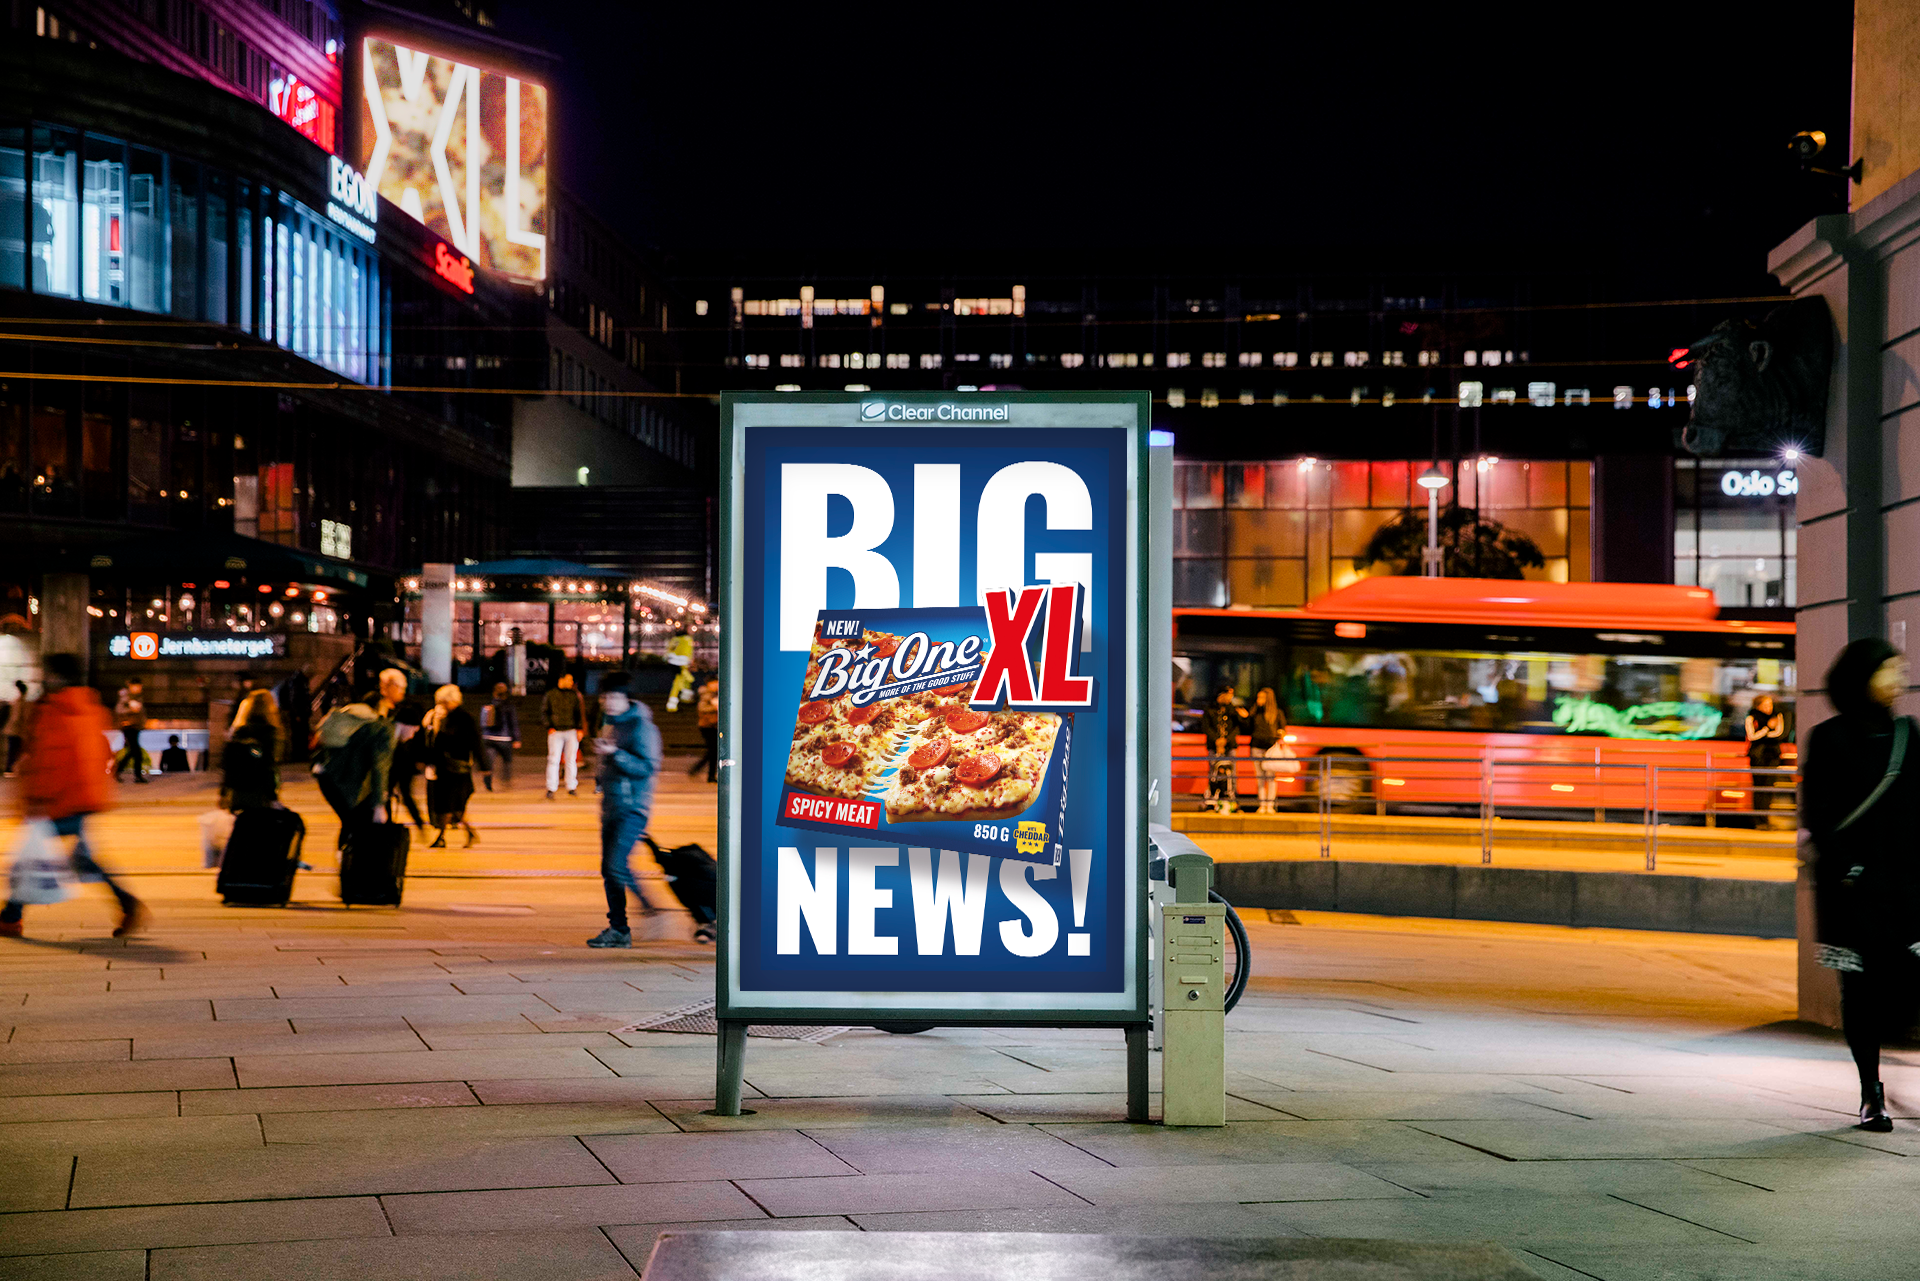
{"x": 1433, "y": 480}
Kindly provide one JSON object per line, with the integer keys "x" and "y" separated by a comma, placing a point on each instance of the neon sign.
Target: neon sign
{"x": 294, "y": 101}
{"x": 455, "y": 270}
{"x": 1757, "y": 484}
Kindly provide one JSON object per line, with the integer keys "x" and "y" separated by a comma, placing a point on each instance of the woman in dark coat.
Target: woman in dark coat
{"x": 453, "y": 748}
{"x": 250, "y": 778}
{"x": 1866, "y": 870}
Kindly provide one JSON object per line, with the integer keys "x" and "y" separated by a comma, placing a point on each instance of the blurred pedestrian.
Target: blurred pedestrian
{"x": 629, "y": 753}
{"x": 249, "y": 769}
{"x": 566, "y": 716}
{"x": 1266, "y": 734}
{"x": 708, "y": 710}
{"x": 17, "y": 725}
{"x": 1222, "y": 725}
{"x": 174, "y": 759}
{"x": 452, "y": 743}
{"x": 408, "y": 750}
{"x": 1861, "y": 796}
{"x": 1766, "y": 730}
{"x": 500, "y": 734}
{"x": 353, "y": 755}
{"x": 130, "y": 714}
{"x": 64, "y": 780}
{"x": 680, "y": 654}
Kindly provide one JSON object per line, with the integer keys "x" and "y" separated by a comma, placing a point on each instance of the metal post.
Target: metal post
{"x": 1486, "y": 808}
{"x": 732, "y": 1066}
{"x": 1325, "y": 761}
{"x": 1137, "y": 1082}
{"x": 1432, "y": 566}
{"x": 1653, "y": 812}
{"x": 1599, "y": 789}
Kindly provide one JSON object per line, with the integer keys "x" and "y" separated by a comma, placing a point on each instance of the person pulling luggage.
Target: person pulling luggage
{"x": 353, "y": 756}
{"x": 261, "y": 852}
{"x": 629, "y": 753}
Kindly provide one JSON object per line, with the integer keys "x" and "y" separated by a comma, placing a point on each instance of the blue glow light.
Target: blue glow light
{"x": 1157, "y": 438}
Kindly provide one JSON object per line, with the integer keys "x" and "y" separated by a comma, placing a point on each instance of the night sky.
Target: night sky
{"x": 1649, "y": 140}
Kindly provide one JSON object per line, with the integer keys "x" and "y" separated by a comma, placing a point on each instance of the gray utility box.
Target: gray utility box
{"x": 1193, "y": 997}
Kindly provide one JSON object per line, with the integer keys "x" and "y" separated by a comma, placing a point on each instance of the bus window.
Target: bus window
{"x": 1610, "y": 695}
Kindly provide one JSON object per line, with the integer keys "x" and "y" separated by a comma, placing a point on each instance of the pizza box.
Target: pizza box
{"x": 889, "y": 748}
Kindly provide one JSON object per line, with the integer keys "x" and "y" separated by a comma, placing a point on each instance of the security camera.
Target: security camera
{"x": 1807, "y": 144}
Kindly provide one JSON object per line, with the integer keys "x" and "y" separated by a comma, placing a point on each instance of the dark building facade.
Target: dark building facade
{"x": 1302, "y": 406}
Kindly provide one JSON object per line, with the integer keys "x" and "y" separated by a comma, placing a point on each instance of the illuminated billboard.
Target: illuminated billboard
{"x": 463, "y": 150}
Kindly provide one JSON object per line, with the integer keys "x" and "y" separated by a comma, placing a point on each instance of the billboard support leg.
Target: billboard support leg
{"x": 1137, "y": 1075}
{"x": 732, "y": 1066}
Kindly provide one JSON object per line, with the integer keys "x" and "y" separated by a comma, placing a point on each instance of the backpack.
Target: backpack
{"x": 344, "y": 763}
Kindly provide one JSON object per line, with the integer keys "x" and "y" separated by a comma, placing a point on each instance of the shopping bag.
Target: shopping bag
{"x": 41, "y": 871}
{"x": 1281, "y": 759}
{"x": 216, "y": 828}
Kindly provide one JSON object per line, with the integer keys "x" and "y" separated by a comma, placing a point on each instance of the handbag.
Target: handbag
{"x": 1895, "y": 759}
{"x": 216, "y": 829}
{"x": 40, "y": 873}
{"x": 1281, "y": 759}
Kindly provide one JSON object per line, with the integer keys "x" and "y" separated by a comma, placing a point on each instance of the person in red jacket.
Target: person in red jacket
{"x": 64, "y": 779}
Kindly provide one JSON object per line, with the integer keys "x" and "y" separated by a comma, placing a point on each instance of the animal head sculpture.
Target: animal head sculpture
{"x": 1762, "y": 388}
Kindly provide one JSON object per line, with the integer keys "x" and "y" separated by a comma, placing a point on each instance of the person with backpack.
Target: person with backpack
{"x": 64, "y": 781}
{"x": 353, "y": 756}
{"x": 629, "y": 751}
{"x": 1860, "y": 790}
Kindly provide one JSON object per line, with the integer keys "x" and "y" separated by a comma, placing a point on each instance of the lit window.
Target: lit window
{"x": 1397, "y": 359}
{"x": 1209, "y": 397}
{"x": 1354, "y": 359}
{"x": 966, "y": 358}
{"x": 1623, "y": 398}
{"x": 1286, "y": 359}
{"x": 1504, "y": 396}
{"x": 1072, "y": 360}
{"x": 1579, "y": 396}
{"x": 1179, "y": 360}
{"x": 1246, "y": 396}
{"x": 1214, "y": 359}
{"x": 1540, "y": 394}
{"x": 1470, "y": 394}
{"x": 898, "y": 308}
{"x": 830, "y": 360}
{"x": 1653, "y": 398}
{"x": 1001, "y": 360}
{"x": 899, "y": 360}
{"x": 1492, "y": 357}
{"x": 1177, "y": 398}
{"x": 1321, "y": 359}
{"x": 1470, "y": 358}
{"x": 757, "y": 360}
{"x": 700, "y": 306}
{"x": 792, "y": 360}
{"x": 929, "y": 360}
{"x": 1250, "y": 359}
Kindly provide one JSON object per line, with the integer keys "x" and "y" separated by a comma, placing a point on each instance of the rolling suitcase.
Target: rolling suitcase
{"x": 261, "y": 857}
{"x": 690, "y": 874}
{"x": 373, "y": 864}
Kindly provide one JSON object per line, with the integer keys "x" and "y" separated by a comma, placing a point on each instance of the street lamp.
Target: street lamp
{"x": 1433, "y": 480}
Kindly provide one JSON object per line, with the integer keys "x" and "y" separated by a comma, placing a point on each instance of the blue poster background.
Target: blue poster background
{"x": 1096, "y": 781}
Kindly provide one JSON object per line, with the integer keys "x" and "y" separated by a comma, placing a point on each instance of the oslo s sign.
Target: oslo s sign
{"x": 933, "y": 701}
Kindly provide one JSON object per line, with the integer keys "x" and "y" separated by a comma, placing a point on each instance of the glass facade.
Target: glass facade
{"x": 1278, "y": 534}
{"x": 1734, "y": 531}
{"x": 95, "y": 219}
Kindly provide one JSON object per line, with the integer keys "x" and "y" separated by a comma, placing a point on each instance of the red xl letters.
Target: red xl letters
{"x": 1010, "y": 619}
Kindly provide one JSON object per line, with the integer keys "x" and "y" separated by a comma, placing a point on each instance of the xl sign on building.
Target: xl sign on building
{"x": 933, "y": 708}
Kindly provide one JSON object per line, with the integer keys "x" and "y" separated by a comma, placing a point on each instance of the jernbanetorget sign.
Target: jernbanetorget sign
{"x": 933, "y": 712}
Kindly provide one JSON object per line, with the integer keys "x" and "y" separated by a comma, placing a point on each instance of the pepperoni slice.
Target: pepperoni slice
{"x": 929, "y": 755}
{"x": 861, "y": 715}
{"x": 977, "y": 771}
{"x": 886, "y": 647}
{"x": 837, "y": 754}
{"x": 814, "y": 713}
{"x": 966, "y": 722}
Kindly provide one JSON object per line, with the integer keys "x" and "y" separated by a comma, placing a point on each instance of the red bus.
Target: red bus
{"x": 1573, "y": 691}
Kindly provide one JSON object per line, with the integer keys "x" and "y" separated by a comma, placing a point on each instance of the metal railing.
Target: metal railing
{"x": 1328, "y": 782}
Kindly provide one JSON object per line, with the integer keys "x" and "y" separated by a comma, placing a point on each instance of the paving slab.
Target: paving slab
{"x": 761, "y": 1154}
{"x": 904, "y": 1110}
{"x": 106, "y": 1265}
{"x": 115, "y": 1078}
{"x": 863, "y": 1194}
{"x": 636, "y": 1240}
{"x": 580, "y": 1254}
{"x": 327, "y": 1098}
{"x": 915, "y": 1151}
{"x": 420, "y": 1065}
{"x": 290, "y": 1170}
{"x": 145, "y": 1227}
{"x": 82, "y": 1107}
{"x": 468, "y": 1124}
{"x": 154, "y": 1134}
{"x": 546, "y": 1208}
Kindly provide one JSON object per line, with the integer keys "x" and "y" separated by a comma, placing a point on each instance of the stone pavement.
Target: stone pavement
{"x": 442, "y": 1091}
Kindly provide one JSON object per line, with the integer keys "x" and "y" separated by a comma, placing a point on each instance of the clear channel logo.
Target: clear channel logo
{"x": 879, "y": 411}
